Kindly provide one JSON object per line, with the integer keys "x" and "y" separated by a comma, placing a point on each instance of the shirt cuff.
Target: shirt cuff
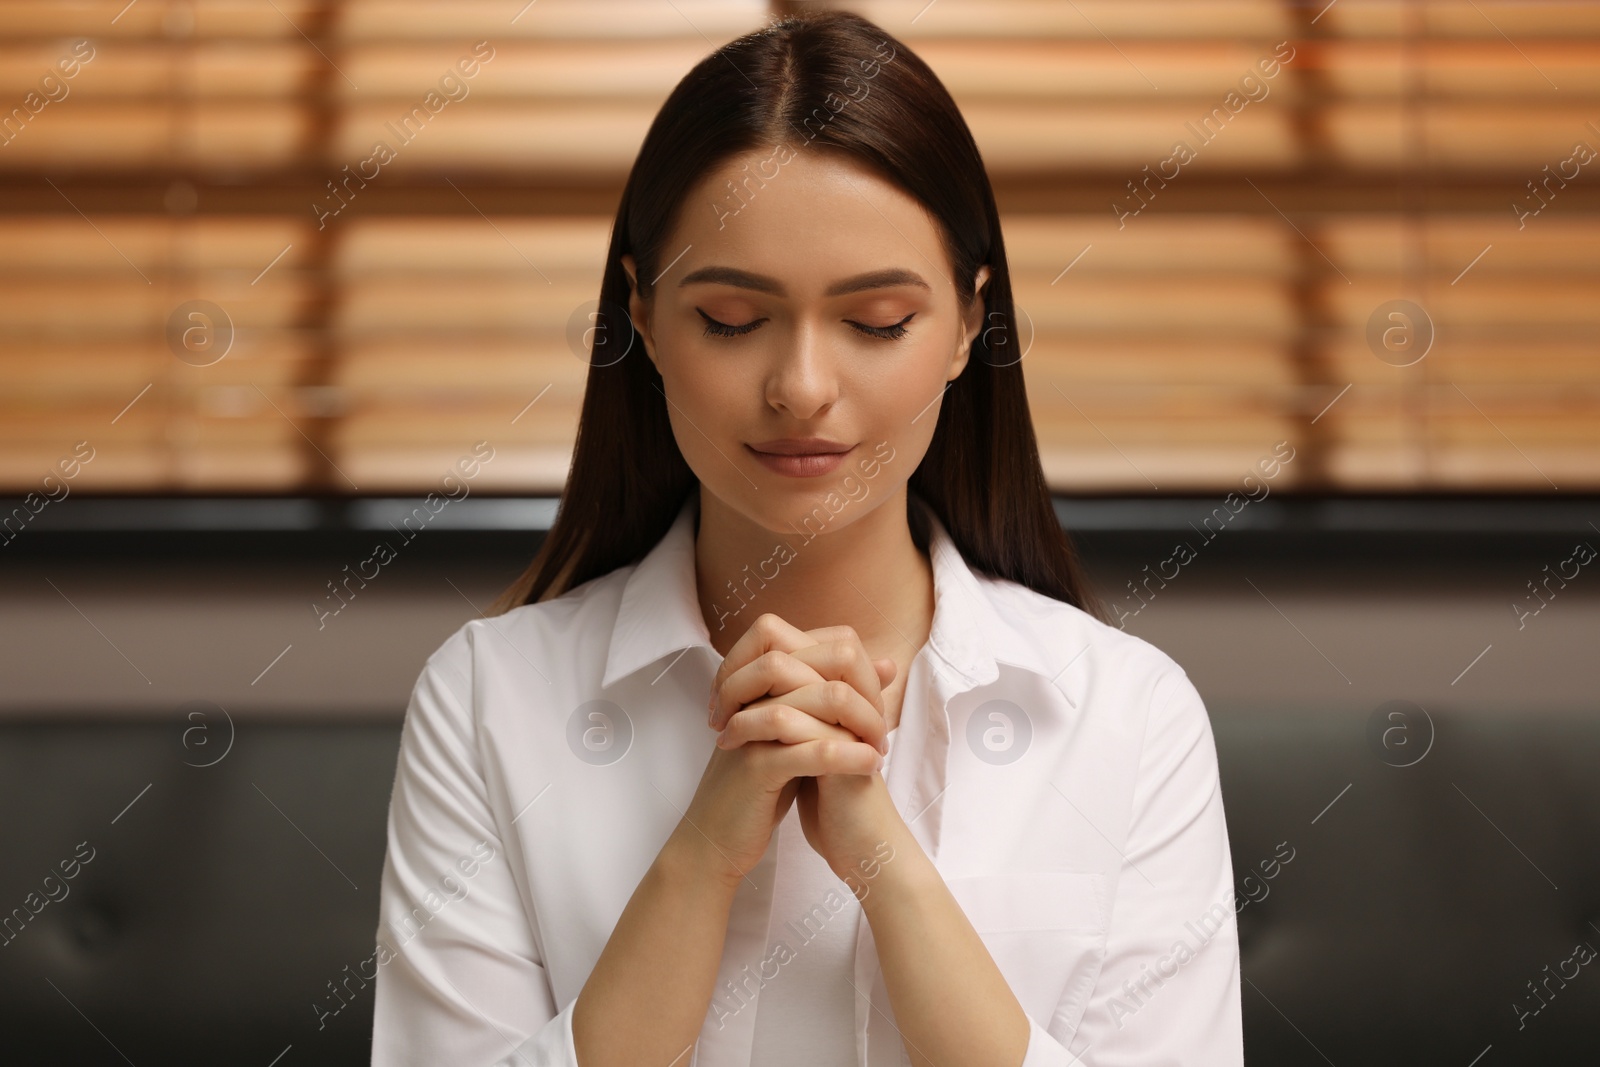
{"x": 549, "y": 1046}
{"x": 1046, "y": 1051}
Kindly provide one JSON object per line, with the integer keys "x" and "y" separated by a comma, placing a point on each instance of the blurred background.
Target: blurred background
{"x": 239, "y": 345}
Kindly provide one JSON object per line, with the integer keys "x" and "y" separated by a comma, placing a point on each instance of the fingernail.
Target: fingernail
{"x": 878, "y": 766}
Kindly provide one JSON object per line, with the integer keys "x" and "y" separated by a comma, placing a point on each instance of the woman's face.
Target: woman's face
{"x": 820, "y": 305}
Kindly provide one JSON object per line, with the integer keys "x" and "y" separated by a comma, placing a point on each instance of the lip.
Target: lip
{"x": 798, "y": 446}
{"x": 826, "y": 457}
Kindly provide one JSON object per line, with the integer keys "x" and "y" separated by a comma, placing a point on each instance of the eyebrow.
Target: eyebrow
{"x": 761, "y": 283}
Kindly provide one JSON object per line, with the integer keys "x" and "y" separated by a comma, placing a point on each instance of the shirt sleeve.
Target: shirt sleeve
{"x": 1168, "y": 989}
{"x": 460, "y": 976}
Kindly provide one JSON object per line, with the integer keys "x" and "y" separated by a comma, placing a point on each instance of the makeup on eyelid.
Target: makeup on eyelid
{"x": 717, "y": 328}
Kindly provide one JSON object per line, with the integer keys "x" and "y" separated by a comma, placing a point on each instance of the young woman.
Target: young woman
{"x": 801, "y": 741}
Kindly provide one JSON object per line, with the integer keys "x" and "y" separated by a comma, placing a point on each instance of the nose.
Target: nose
{"x": 804, "y": 381}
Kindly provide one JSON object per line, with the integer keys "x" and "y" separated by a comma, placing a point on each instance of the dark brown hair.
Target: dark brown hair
{"x": 829, "y": 79}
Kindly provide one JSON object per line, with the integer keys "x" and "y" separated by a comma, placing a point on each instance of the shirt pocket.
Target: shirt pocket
{"x": 1046, "y": 931}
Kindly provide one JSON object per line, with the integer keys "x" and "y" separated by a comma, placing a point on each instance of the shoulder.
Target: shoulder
{"x": 1136, "y": 701}
{"x": 1122, "y": 690}
{"x": 1051, "y": 633}
{"x": 545, "y": 640}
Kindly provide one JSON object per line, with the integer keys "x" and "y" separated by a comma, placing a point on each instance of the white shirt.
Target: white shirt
{"x": 1059, "y": 772}
{"x": 802, "y": 1015}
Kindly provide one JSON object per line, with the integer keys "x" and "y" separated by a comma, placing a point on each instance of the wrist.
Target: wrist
{"x": 905, "y": 876}
{"x": 866, "y": 865}
{"x": 689, "y": 859}
{"x": 876, "y": 838}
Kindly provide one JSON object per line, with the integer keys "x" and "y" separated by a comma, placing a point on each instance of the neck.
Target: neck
{"x": 862, "y": 570}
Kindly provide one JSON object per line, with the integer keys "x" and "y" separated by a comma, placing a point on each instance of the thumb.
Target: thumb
{"x": 887, "y": 669}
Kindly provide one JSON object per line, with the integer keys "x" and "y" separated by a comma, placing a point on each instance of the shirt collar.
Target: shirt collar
{"x": 659, "y": 613}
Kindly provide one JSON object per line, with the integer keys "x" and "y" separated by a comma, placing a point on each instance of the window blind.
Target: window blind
{"x": 1364, "y": 228}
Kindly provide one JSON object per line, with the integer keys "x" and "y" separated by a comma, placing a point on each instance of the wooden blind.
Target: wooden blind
{"x": 199, "y": 283}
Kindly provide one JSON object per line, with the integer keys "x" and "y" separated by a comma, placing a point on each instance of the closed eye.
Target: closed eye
{"x": 714, "y": 328}
{"x": 723, "y": 329}
{"x": 893, "y": 331}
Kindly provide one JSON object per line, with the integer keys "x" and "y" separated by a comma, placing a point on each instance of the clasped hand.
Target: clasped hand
{"x": 780, "y": 685}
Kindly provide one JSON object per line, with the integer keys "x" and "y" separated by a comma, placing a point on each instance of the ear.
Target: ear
{"x": 638, "y": 308}
{"x": 972, "y": 326}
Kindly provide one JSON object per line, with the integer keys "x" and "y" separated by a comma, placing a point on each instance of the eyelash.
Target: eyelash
{"x": 892, "y": 332}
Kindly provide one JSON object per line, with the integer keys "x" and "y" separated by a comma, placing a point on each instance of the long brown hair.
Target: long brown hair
{"x": 796, "y": 81}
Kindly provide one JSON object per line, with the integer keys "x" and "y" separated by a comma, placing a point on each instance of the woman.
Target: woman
{"x": 806, "y": 492}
